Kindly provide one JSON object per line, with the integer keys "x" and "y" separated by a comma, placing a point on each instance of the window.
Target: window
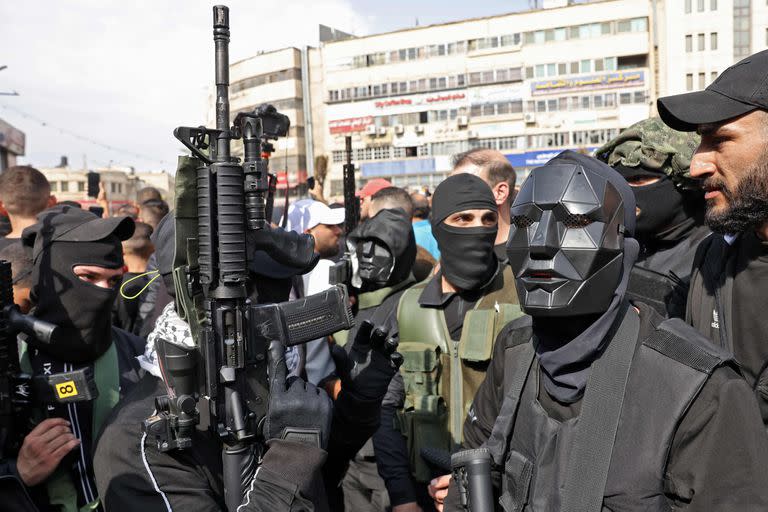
{"x": 712, "y": 5}
{"x": 688, "y": 6}
{"x": 540, "y": 70}
{"x": 688, "y": 82}
{"x": 585, "y": 102}
{"x": 639, "y": 25}
{"x": 713, "y": 41}
{"x": 700, "y": 45}
{"x": 560, "y": 34}
{"x": 551, "y": 105}
{"x": 551, "y": 69}
{"x": 623, "y": 26}
{"x": 598, "y": 101}
{"x": 561, "y": 69}
{"x": 488, "y": 77}
{"x": 65, "y": 186}
{"x": 54, "y": 186}
{"x": 586, "y": 66}
{"x": 81, "y": 186}
{"x": 700, "y": 5}
{"x": 541, "y": 106}
{"x": 713, "y": 76}
{"x": 610, "y": 100}
{"x": 529, "y": 72}
{"x": 625, "y": 98}
{"x": 702, "y": 80}
{"x": 689, "y": 43}
{"x": 639, "y": 97}
{"x": 574, "y": 67}
{"x": 598, "y": 64}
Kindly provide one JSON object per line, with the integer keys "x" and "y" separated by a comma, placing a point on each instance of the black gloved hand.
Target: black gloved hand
{"x": 287, "y": 247}
{"x": 370, "y": 363}
{"x": 297, "y": 411}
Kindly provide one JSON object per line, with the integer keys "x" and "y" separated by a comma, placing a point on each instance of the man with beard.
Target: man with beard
{"x": 655, "y": 160}
{"x": 448, "y": 324}
{"x": 77, "y": 266}
{"x": 727, "y": 296}
{"x": 593, "y": 403}
{"x": 385, "y": 250}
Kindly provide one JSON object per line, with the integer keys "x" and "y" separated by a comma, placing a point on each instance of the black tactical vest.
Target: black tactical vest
{"x": 668, "y": 370}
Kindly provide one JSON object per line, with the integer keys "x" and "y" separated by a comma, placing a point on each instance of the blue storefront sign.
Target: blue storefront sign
{"x": 537, "y": 158}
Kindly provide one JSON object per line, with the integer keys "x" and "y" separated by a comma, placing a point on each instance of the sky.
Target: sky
{"x": 105, "y": 82}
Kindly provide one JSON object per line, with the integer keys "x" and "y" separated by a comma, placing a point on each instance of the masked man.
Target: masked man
{"x": 385, "y": 250}
{"x": 308, "y": 436}
{"x": 77, "y": 265}
{"x": 447, "y": 326}
{"x": 593, "y": 403}
{"x": 655, "y": 160}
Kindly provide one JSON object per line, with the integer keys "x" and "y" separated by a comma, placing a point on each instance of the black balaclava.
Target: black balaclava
{"x": 571, "y": 250}
{"x": 467, "y": 259}
{"x": 81, "y": 310}
{"x": 662, "y": 205}
{"x": 385, "y": 248}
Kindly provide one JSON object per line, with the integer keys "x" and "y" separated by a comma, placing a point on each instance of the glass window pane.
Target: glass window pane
{"x": 561, "y": 68}
{"x": 598, "y": 64}
{"x": 551, "y": 69}
{"x": 689, "y": 43}
{"x": 713, "y": 41}
{"x": 560, "y": 34}
{"x": 586, "y": 66}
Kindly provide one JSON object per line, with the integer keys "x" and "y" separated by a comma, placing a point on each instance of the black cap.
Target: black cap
{"x": 68, "y": 224}
{"x": 740, "y": 89}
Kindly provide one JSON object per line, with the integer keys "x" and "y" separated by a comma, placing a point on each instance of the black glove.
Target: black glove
{"x": 297, "y": 411}
{"x": 372, "y": 361}
{"x": 287, "y": 247}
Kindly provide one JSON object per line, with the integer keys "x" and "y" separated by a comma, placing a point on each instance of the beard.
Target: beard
{"x": 747, "y": 206}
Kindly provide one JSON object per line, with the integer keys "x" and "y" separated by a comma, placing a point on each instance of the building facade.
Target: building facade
{"x": 528, "y": 84}
{"x": 12, "y": 145}
{"x": 275, "y": 78}
{"x": 698, "y": 39}
{"x": 121, "y": 185}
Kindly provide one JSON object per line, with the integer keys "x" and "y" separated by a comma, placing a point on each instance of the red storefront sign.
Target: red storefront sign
{"x": 352, "y": 124}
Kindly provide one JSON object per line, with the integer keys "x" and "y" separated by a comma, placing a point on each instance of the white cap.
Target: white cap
{"x": 308, "y": 213}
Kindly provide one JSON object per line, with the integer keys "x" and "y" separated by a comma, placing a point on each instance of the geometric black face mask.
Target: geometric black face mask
{"x": 566, "y": 241}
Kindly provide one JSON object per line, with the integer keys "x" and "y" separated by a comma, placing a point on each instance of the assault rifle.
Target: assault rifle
{"x": 19, "y": 391}
{"x": 221, "y": 383}
{"x": 342, "y": 271}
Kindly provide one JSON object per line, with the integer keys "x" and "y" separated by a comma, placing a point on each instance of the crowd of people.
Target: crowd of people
{"x": 596, "y": 331}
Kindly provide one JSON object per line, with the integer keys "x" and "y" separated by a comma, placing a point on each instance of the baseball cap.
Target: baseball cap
{"x": 740, "y": 89}
{"x": 372, "y": 187}
{"x": 308, "y": 213}
{"x": 68, "y": 224}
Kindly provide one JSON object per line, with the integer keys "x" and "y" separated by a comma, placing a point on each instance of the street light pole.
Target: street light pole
{"x": 13, "y": 93}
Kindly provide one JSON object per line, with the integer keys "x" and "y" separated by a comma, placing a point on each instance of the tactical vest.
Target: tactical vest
{"x": 441, "y": 375}
{"x": 668, "y": 370}
{"x": 370, "y": 300}
{"x": 106, "y": 374}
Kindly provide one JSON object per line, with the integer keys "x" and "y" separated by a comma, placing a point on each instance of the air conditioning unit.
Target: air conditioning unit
{"x": 529, "y": 118}
{"x": 472, "y": 134}
{"x": 462, "y": 121}
{"x": 399, "y": 129}
{"x": 382, "y": 130}
{"x": 370, "y": 130}
{"x": 419, "y": 128}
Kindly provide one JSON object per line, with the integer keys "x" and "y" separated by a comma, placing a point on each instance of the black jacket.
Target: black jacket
{"x": 717, "y": 454}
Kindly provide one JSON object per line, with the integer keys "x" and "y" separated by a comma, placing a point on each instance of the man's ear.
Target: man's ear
{"x": 501, "y": 192}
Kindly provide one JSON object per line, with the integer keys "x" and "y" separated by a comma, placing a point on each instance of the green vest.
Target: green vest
{"x": 373, "y": 299}
{"x": 441, "y": 375}
{"x": 106, "y": 374}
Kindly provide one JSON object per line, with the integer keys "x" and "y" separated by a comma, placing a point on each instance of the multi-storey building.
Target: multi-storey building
{"x": 121, "y": 185}
{"x": 529, "y": 84}
{"x": 698, "y": 39}
{"x": 12, "y": 145}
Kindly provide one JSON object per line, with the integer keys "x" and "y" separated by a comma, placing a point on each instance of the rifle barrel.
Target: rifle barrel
{"x": 221, "y": 40}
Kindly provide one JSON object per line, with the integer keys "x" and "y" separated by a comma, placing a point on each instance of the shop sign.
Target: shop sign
{"x": 589, "y": 83}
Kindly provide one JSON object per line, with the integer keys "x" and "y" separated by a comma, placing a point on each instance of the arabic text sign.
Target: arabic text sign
{"x": 589, "y": 83}
{"x": 353, "y": 124}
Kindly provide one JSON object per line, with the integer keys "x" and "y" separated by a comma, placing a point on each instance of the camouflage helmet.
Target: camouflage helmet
{"x": 655, "y": 147}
